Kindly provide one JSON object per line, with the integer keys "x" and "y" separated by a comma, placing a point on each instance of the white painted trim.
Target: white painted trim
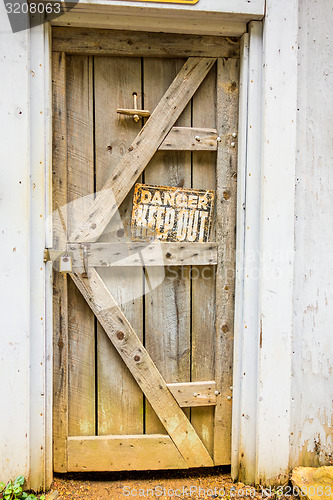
{"x": 240, "y": 253}
{"x": 48, "y": 267}
{"x": 41, "y": 284}
{"x": 245, "y": 363}
{"x": 207, "y": 17}
{"x": 235, "y": 10}
{"x": 277, "y": 239}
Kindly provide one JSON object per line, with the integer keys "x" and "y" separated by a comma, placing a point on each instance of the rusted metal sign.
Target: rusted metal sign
{"x": 171, "y": 214}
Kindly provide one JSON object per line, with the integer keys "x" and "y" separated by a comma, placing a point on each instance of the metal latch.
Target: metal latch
{"x": 135, "y": 112}
{"x": 63, "y": 257}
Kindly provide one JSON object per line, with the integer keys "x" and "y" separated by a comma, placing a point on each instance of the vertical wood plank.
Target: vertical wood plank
{"x": 167, "y": 311}
{"x": 227, "y": 119}
{"x": 120, "y": 401}
{"x": 60, "y": 331}
{"x": 80, "y": 183}
{"x": 203, "y": 277}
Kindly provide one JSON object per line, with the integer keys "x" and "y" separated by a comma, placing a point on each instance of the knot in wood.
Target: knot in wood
{"x": 136, "y": 358}
{"x": 225, "y": 328}
{"x": 120, "y": 335}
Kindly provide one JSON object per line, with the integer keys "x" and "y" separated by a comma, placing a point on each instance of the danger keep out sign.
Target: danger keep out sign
{"x": 171, "y": 214}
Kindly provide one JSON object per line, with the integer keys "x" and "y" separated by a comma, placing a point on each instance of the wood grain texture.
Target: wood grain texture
{"x": 136, "y": 254}
{"x": 80, "y": 183}
{"x": 120, "y": 400}
{"x": 105, "y": 453}
{"x": 141, "y": 44}
{"x": 142, "y": 149}
{"x": 167, "y": 314}
{"x": 194, "y": 393}
{"x": 143, "y": 369}
{"x": 60, "y": 302}
{"x": 227, "y": 120}
{"x": 203, "y": 278}
{"x": 190, "y": 139}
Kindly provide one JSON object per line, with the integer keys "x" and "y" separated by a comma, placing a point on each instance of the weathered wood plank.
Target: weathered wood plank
{"x": 141, "y": 44}
{"x": 120, "y": 400}
{"x": 116, "y": 453}
{"x": 194, "y": 393}
{"x": 227, "y": 120}
{"x": 60, "y": 302}
{"x": 138, "y": 254}
{"x": 167, "y": 314}
{"x": 203, "y": 278}
{"x": 142, "y": 149}
{"x": 80, "y": 183}
{"x": 143, "y": 369}
{"x": 190, "y": 139}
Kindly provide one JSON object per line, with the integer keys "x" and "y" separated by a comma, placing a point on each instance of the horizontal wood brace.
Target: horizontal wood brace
{"x": 138, "y": 452}
{"x": 143, "y": 254}
{"x": 141, "y": 44}
{"x": 194, "y": 393}
{"x": 190, "y": 139}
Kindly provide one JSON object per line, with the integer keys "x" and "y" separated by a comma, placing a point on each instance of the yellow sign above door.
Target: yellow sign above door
{"x": 190, "y": 2}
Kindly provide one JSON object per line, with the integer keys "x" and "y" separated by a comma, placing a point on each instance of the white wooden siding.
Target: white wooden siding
{"x": 15, "y": 251}
{"x": 312, "y": 379}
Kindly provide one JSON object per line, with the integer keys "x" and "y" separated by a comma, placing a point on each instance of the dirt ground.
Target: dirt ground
{"x": 211, "y": 483}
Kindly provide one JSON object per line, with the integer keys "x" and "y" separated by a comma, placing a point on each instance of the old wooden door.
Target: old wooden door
{"x": 142, "y": 352}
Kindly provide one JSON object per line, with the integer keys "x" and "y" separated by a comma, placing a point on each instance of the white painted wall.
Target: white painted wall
{"x": 25, "y": 350}
{"x": 15, "y": 251}
{"x": 312, "y": 381}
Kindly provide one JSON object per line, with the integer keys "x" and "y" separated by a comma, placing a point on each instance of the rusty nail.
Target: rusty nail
{"x": 136, "y": 358}
{"x": 120, "y": 335}
{"x": 225, "y": 328}
{"x": 93, "y": 226}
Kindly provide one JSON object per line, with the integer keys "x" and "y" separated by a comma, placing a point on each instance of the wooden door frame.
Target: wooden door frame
{"x": 251, "y": 109}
